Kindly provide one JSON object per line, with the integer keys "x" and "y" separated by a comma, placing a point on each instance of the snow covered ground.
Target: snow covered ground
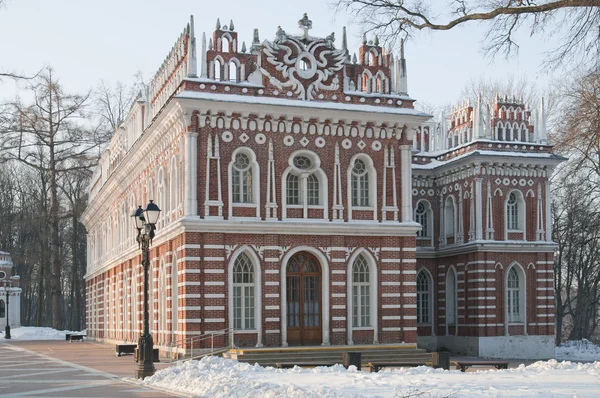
{"x": 581, "y": 350}
{"x": 218, "y": 377}
{"x": 35, "y": 333}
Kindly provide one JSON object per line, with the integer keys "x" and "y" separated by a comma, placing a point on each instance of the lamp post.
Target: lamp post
{"x": 7, "y": 283}
{"x": 145, "y": 223}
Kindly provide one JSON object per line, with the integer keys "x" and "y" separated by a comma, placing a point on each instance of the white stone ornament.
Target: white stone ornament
{"x": 260, "y": 138}
{"x": 288, "y": 140}
{"x": 227, "y": 136}
{"x": 304, "y": 141}
{"x": 346, "y": 144}
{"x": 244, "y": 137}
{"x": 320, "y": 142}
{"x": 376, "y": 146}
{"x": 361, "y": 145}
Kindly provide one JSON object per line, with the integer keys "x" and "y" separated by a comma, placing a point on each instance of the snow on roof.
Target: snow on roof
{"x": 298, "y": 103}
{"x": 438, "y": 163}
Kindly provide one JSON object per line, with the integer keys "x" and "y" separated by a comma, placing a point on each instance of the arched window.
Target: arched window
{"x": 512, "y": 212}
{"x": 451, "y": 297}
{"x": 224, "y": 45}
{"x": 361, "y": 301}
{"x": 449, "y": 216}
{"x": 174, "y": 296}
{"x": 217, "y": 64}
{"x": 293, "y": 189}
{"x": 312, "y": 187}
{"x": 2, "y": 309}
{"x": 515, "y": 295}
{"x": 243, "y": 294}
{"x": 241, "y": 179}
{"x": 233, "y": 72}
{"x": 421, "y": 218}
{"x": 423, "y": 298}
{"x": 360, "y": 183}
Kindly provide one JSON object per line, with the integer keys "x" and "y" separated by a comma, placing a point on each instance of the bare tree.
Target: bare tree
{"x": 574, "y": 21}
{"x": 49, "y": 135}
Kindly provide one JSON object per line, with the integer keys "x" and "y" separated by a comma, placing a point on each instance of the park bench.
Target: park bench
{"x": 463, "y": 365}
{"x": 75, "y": 337}
{"x": 377, "y": 366}
{"x": 124, "y": 349}
{"x": 288, "y": 365}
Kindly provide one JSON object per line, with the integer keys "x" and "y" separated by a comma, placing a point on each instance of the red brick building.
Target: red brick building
{"x": 294, "y": 180}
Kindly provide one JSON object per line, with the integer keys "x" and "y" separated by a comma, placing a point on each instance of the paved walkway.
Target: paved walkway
{"x": 63, "y": 369}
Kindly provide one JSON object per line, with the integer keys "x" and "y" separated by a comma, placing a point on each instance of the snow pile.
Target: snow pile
{"x": 218, "y": 377}
{"x": 578, "y": 350}
{"x": 38, "y": 333}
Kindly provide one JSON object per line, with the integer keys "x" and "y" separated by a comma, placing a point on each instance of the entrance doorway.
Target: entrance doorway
{"x": 304, "y": 297}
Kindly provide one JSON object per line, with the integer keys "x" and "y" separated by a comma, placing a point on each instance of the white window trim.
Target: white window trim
{"x": 303, "y": 174}
{"x": 257, "y": 291}
{"x": 372, "y": 172}
{"x": 429, "y": 213}
{"x": 522, "y": 298}
{"x": 373, "y": 283}
{"x": 255, "y": 170}
{"x": 521, "y": 208}
{"x": 451, "y": 198}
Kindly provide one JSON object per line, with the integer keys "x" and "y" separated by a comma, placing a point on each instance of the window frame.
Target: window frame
{"x": 254, "y": 170}
{"x": 426, "y": 294}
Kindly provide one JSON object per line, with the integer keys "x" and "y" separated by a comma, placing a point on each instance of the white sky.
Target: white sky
{"x": 86, "y": 41}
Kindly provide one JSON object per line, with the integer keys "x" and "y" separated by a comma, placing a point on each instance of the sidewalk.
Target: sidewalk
{"x": 54, "y": 368}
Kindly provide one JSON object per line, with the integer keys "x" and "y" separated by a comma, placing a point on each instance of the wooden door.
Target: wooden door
{"x": 303, "y": 284}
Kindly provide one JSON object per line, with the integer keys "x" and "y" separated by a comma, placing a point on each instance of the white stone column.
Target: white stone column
{"x": 478, "y": 210}
{"x": 190, "y": 189}
{"x": 405, "y": 165}
{"x": 548, "y": 209}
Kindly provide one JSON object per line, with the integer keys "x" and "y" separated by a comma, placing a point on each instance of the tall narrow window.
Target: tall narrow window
{"x": 2, "y": 309}
{"x": 312, "y": 188}
{"x": 513, "y": 293}
{"x": 217, "y": 70}
{"x": 449, "y": 217}
{"x": 512, "y": 212}
{"x": 361, "y": 295}
{"x": 293, "y": 189}
{"x": 243, "y": 294}
{"x": 423, "y": 293}
{"x": 360, "y": 184}
{"x": 421, "y": 218}
{"x": 242, "y": 179}
{"x": 233, "y": 72}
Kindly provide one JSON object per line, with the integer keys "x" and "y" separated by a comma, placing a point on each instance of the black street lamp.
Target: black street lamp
{"x": 145, "y": 223}
{"x": 6, "y": 283}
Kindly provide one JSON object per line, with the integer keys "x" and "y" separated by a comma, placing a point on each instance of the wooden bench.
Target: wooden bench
{"x": 377, "y": 366}
{"x": 76, "y": 337}
{"x": 466, "y": 364}
{"x": 124, "y": 349}
{"x": 67, "y": 336}
{"x": 288, "y": 365}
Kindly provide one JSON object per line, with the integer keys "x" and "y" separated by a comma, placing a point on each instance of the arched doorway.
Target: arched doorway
{"x": 304, "y": 300}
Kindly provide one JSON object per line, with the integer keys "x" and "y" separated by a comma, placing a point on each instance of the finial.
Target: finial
{"x": 218, "y": 24}
{"x": 231, "y": 24}
{"x": 243, "y": 46}
{"x": 376, "y": 40}
{"x": 210, "y": 44}
{"x": 305, "y": 24}
{"x": 224, "y": 27}
{"x": 354, "y": 59}
{"x": 344, "y": 40}
{"x": 364, "y": 39}
{"x": 255, "y": 39}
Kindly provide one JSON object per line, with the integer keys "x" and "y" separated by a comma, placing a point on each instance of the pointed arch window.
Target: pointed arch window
{"x": 515, "y": 213}
{"x": 512, "y": 212}
{"x": 243, "y": 294}
{"x": 233, "y": 72}
{"x": 242, "y": 179}
{"x": 360, "y": 184}
{"x": 361, "y": 293}
{"x": 422, "y": 218}
{"x": 423, "y": 298}
{"x": 514, "y": 296}
{"x": 217, "y": 72}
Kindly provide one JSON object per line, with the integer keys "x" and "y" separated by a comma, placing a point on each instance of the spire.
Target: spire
{"x": 345, "y": 45}
{"x": 243, "y": 46}
{"x": 231, "y": 25}
{"x": 192, "y": 62}
{"x": 255, "y": 42}
{"x": 542, "y": 134}
{"x": 354, "y": 59}
{"x": 203, "y": 56}
{"x": 478, "y": 123}
{"x": 218, "y": 27}
{"x": 401, "y": 80}
{"x": 376, "y": 40}
{"x": 210, "y": 44}
{"x": 364, "y": 39}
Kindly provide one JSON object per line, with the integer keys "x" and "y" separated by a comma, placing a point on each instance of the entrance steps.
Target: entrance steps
{"x": 334, "y": 354}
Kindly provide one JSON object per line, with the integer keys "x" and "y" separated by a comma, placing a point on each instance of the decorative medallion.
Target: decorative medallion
{"x": 346, "y": 144}
{"x": 288, "y": 140}
{"x": 244, "y": 137}
{"x": 304, "y": 141}
{"x": 260, "y": 138}
{"x": 320, "y": 142}
{"x": 227, "y": 136}
{"x": 376, "y": 146}
{"x": 361, "y": 145}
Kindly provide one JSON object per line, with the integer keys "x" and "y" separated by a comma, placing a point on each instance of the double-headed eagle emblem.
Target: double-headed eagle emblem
{"x": 305, "y": 64}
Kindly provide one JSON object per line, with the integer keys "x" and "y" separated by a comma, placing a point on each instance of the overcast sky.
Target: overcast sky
{"x": 86, "y": 41}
